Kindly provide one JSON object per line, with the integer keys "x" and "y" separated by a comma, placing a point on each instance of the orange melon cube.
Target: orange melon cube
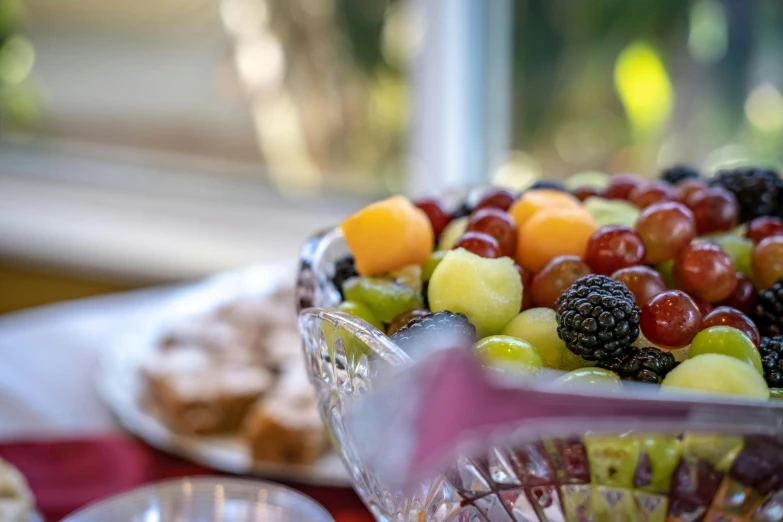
{"x": 388, "y": 235}
{"x": 533, "y": 201}
{"x": 551, "y": 233}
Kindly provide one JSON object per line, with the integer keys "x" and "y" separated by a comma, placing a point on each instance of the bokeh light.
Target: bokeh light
{"x": 764, "y": 108}
{"x": 261, "y": 62}
{"x": 644, "y": 88}
{"x": 403, "y": 32}
{"x": 708, "y": 34}
{"x": 17, "y": 57}
{"x": 519, "y": 171}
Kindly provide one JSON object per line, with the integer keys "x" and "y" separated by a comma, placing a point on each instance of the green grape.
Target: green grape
{"x": 590, "y": 377}
{"x": 432, "y": 263}
{"x": 506, "y": 353}
{"x": 613, "y": 460}
{"x": 727, "y": 341}
{"x": 452, "y": 233}
{"x": 410, "y": 275}
{"x": 538, "y": 326}
{"x": 611, "y": 212}
{"x": 776, "y": 393}
{"x": 739, "y": 249}
{"x": 592, "y": 179}
{"x": 387, "y": 299}
{"x": 665, "y": 269}
{"x": 487, "y": 291}
{"x": 571, "y": 361}
{"x": 361, "y": 311}
{"x": 715, "y": 373}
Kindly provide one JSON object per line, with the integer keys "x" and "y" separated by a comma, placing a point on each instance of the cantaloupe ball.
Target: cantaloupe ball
{"x": 552, "y": 233}
{"x": 388, "y": 235}
{"x": 534, "y": 201}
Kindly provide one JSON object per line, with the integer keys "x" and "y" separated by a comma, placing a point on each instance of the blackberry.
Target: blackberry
{"x": 759, "y": 192}
{"x": 769, "y": 309}
{"x": 678, "y": 173}
{"x": 597, "y": 318}
{"x": 771, "y": 350}
{"x": 549, "y": 184}
{"x": 641, "y": 364}
{"x": 462, "y": 210}
{"x": 344, "y": 269}
{"x": 444, "y": 329}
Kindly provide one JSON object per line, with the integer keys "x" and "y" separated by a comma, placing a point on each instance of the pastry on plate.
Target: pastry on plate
{"x": 16, "y": 500}
{"x": 198, "y": 395}
{"x": 285, "y": 426}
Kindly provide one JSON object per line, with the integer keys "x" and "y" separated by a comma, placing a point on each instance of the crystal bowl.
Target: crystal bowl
{"x": 672, "y": 477}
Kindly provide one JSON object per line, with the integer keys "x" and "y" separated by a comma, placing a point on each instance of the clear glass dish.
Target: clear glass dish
{"x": 675, "y": 477}
{"x": 206, "y": 499}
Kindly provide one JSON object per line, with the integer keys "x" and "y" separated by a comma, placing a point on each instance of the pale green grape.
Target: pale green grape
{"x": 538, "y": 326}
{"x": 590, "y": 377}
{"x": 506, "y": 353}
{"x": 452, "y": 233}
{"x": 727, "y": 341}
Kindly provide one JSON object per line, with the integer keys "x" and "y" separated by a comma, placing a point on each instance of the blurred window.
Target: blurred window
{"x": 633, "y": 86}
{"x": 325, "y": 93}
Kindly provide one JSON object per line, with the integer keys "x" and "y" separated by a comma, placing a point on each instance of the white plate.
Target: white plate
{"x": 120, "y": 385}
{"x": 206, "y": 499}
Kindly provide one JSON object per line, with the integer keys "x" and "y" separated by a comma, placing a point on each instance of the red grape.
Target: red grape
{"x": 703, "y": 306}
{"x": 437, "y": 215}
{"x": 479, "y": 243}
{"x": 643, "y": 282}
{"x": 705, "y": 271}
{"x": 689, "y": 187}
{"x": 715, "y": 210}
{"x": 727, "y": 316}
{"x": 497, "y": 224}
{"x": 656, "y": 192}
{"x": 670, "y": 319}
{"x": 621, "y": 186}
{"x": 555, "y": 278}
{"x": 496, "y": 197}
{"x": 614, "y": 247}
{"x": 666, "y": 228}
{"x": 582, "y": 193}
{"x": 743, "y": 298}
{"x": 763, "y": 227}
{"x": 767, "y": 260}
{"x": 527, "y": 291}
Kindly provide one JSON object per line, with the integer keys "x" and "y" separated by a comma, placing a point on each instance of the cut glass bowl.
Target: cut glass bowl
{"x": 672, "y": 477}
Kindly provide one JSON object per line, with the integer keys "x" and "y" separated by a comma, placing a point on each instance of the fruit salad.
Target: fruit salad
{"x": 676, "y": 283}
{"x": 642, "y": 279}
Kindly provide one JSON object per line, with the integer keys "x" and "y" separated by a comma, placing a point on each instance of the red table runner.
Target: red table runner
{"x": 67, "y": 474}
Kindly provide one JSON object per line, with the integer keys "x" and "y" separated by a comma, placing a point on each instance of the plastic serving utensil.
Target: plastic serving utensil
{"x": 424, "y": 416}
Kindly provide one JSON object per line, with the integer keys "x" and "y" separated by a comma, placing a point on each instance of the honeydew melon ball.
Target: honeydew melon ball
{"x": 611, "y": 212}
{"x": 487, "y": 291}
{"x": 718, "y": 374}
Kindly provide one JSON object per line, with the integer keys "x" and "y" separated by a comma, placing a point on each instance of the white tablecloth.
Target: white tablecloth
{"x": 47, "y": 361}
